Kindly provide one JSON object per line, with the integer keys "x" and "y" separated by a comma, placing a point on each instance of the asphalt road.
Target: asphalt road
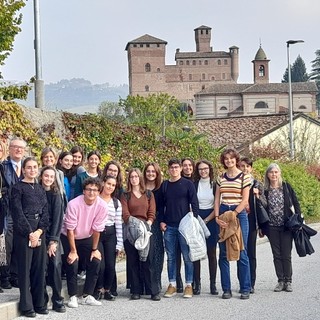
{"x": 302, "y": 303}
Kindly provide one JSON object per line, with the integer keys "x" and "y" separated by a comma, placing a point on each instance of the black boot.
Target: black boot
{"x": 179, "y": 284}
{"x": 213, "y": 289}
{"x": 196, "y": 288}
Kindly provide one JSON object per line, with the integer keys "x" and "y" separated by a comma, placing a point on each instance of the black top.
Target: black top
{"x": 177, "y": 197}
{"x": 56, "y": 211}
{"x": 29, "y": 208}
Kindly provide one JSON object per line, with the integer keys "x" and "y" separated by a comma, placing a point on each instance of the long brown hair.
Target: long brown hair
{"x": 141, "y": 180}
{"x": 157, "y": 169}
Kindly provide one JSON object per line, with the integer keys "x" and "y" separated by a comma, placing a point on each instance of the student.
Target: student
{"x": 77, "y": 167}
{"x": 84, "y": 220}
{"x": 231, "y": 200}
{"x": 138, "y": 205}
{"x": 29, "y": 209}
{"x": 64, "y": 164}
{"x": 178, "y": 194}
{"x": 48, "y": 180}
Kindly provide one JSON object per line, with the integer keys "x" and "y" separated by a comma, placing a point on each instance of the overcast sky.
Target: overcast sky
{"x": 87, "y": 38}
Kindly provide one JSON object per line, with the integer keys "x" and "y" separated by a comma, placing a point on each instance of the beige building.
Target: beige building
{"x": 193, "y": 71}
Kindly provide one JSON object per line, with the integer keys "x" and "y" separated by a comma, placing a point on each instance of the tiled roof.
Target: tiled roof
{"x": 212, "y": 54}
{"x": 237, "y": 131}
{"x": 202, "y": 27}
{"x": 259, "y": 88}
{"x": 260, "y": 55}
{"x": 146, "y": 39}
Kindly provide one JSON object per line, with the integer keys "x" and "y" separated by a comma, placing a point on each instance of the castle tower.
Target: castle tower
{"x": 203, "y": 37}
{"x": 234, "y": 53}
{"x": 260, "y": 67}
{"x": 146, "y": 62}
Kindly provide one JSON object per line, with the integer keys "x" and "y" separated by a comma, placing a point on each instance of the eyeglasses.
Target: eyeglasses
{"x": 203, "y": 169}
{"x": 91, "y": 190}
{"x": 174, "y": 167}
{"x": 15, "y": 147}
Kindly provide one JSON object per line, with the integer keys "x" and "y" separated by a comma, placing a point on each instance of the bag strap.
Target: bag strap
{"x": 291, "y": 206}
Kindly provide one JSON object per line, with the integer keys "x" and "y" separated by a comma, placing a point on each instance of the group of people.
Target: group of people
{"x": 64, "y": 216}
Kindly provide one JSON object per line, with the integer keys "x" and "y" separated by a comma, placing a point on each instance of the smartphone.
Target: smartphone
{"x": 39, "y": 243}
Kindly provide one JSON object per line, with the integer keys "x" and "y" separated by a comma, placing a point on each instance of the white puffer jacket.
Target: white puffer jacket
{"x": 195, "y": 236}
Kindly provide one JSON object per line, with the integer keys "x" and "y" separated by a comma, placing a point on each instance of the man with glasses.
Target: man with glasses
{"x": 10, "y": 171}
{"x": 84, "y": 220}
{"x": 178, "y": 195}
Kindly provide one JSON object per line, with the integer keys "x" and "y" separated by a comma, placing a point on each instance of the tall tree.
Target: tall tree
{"x": 298, "y": 72}
{"x": 315, "y": 74}
{"x": 10, "y": 21}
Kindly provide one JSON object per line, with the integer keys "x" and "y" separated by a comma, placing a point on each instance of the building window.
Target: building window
{"x": 203, "y": 87}
{"x": 201, "y": 31}
{"x": 134, "y": 45}
{"x": 146, "y": 88}
{"x": 148, "y": 45}
{"x": 187, "y": 62}
{"x": 158, "y": 45}
{"x": 207, "y": 31}
{"x": 147, "y": 67}
{"x": 181, "y": 63}
{"x": 141, "y": 45}
{"x": 223, "y": 108}
{"x": 158, "y": 69}
{"x": 203, "y": 76}
{"x": 190, "y": 77}
{"x": 206, "y": 62}
{"x": 261, "y": 71}
{"x": 200, "y": 62}
{"x": 212, "y": 78}
{"x": 261, "y": 105}
{"x": 194, "y": 62}
{"x": 219, "y": 62}
{"x": 302, "y": 107}
{"x": 225, "y": 61}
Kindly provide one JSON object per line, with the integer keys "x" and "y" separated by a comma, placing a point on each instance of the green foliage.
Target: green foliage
{"x": 11, "y": 92}
{"x": 156, "y": 111}
{"x": 298, "y": 72}
{"x": 10, "y": 22}
{"x": 111, "y": 110}
{"x": 305, "y": 185}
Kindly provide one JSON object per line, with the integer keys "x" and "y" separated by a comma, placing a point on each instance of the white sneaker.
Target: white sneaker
{"x": 90, "y": 301}
{"x": 73, "y": 302}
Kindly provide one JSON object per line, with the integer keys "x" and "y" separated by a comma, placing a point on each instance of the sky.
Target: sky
{"x": 87, "y": 38}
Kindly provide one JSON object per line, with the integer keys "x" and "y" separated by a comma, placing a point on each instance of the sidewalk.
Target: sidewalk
{"x": 9, "y": 299}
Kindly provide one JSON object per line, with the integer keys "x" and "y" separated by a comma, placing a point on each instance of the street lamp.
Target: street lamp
{"x": 291, "y": 138}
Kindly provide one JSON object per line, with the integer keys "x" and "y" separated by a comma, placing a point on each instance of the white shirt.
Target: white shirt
{"x": 205, "y": 194}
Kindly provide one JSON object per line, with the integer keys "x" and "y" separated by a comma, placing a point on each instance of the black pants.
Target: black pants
{"x": 54, "y": 275}
{"x": 138, "y": 267}
{"x": 84, "y": 249}
{"x": 31, "y": 273}
{"x": 281, "y": 246}
{"x": 108, "y": 241}
{"x": 252, "y": 255}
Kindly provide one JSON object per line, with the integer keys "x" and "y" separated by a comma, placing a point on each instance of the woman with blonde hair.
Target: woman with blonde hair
{"x": 280, "y": 197}
{"x": 3, "y": 151}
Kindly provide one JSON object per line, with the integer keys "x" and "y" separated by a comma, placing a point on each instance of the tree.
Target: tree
{"x": 315, "y": 74}
{"x": 298, "y": 72}
{"x": 10, "y": 22}
{"x": 111, "y": 110}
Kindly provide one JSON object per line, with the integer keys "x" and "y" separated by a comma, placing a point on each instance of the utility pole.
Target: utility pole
{"x": 39, "y": 83}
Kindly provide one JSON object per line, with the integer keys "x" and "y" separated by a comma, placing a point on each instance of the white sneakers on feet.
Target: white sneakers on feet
{"x": 90, "y": 301}
{"x": 73, "y": 302}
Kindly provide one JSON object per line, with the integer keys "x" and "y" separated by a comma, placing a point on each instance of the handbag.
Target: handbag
{"x": 262, "y": 214}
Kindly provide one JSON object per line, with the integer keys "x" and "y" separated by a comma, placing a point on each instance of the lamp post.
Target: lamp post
{"x": 39, "y": 83}
{"x": 291, "y": 137}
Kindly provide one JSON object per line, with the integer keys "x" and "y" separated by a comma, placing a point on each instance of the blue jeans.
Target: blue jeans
{"x": 171, "y": 236}
{"x": 243, "y": 263}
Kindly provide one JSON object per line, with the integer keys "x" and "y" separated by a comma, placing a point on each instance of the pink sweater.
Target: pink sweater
{"x": 83, "y": 218}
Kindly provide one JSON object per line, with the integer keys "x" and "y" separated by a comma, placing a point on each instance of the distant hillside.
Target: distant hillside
{"x": 78, "y": 95}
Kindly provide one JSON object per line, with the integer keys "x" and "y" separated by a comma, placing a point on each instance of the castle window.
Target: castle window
{"x": 134, "y": 45}
{"x": 223, "y": 108}
{"x": 200, "y": 62}
{"x": 141, "y": 45}
{"x": 158, "y": 45}
{"x": 203, "y": 87}
{"x": 190, "y": 76}
{"x": 203, "y": 76}
{"x": 181, "y": 63}
{"x": 302, "y": 107}
{"x": 225, "y": 61}
{"x": 261, "y": 71}
{"x": 206, "y": 62}
{"x": 158, "y": 69}
{"x": 146, "y": 88}
{"x": 219, "y": 62}
{"x": 187, "y": 62}
{"x": 194, "y": 62}
{"x": 148, "y": 45}
{"x": 201, "y": 31}
{"x": 207, "y": 31}
{"x": 261, "y": 105}
{"x": 212, "y": 78}
{"x": 147, "y": 67}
